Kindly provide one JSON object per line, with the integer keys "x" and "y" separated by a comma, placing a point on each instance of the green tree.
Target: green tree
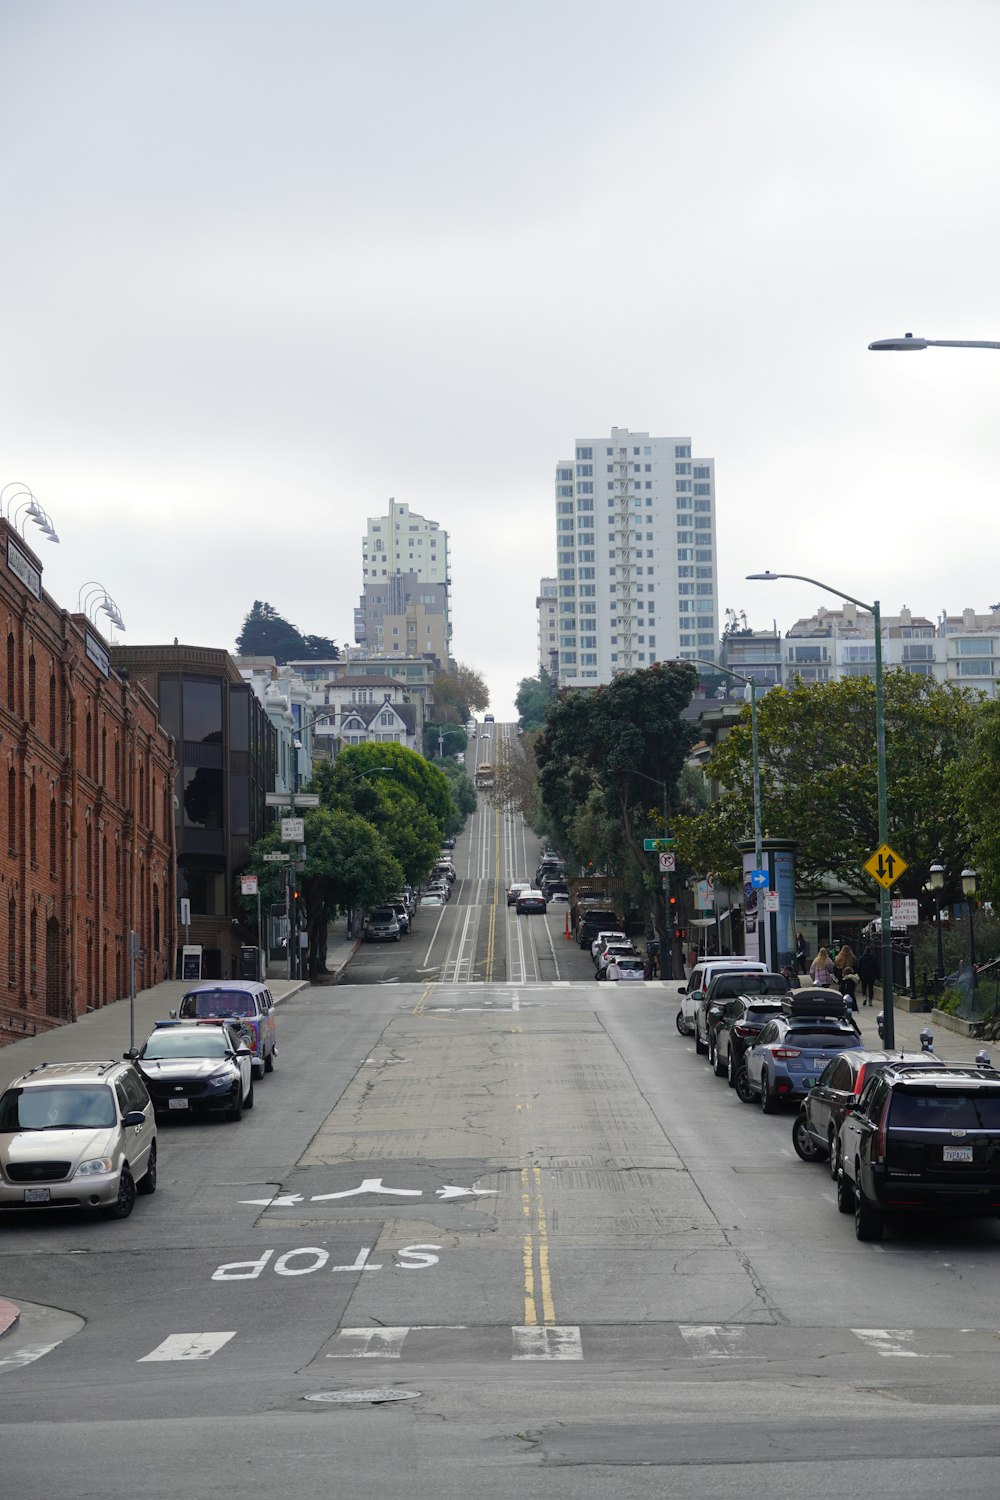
{"x": 458, "y": 693}
{"x": 454, "y": 740}
{"x": 400, "y": 793}
{"x": 976, "y": 781}
{"x": 534, "y": 694}
{"x": 267, "y": 633}
{"x": 628, "y": 741}
{"x": 463, "y": 796}
{"x": 819, "y": 786}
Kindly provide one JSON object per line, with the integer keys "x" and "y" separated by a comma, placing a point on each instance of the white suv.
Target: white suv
{"x": 77, "y": 1135}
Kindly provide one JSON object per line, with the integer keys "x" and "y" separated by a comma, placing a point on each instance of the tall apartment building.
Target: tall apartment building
{"x": 402, "y": 615}
{"x": 636, "y": 556}
{"x": 403, "y": 542}
{"x": 546, "y": 603}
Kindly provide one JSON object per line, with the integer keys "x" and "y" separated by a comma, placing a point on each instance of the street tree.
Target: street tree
{"x": 449, "y": 739}
{"x": 534, "y": 694}
{"x": 265, "y": 632}
{"x": 976, "y": 781}
{"x": 458, "y": 693}
{"x": 397, "y": 790}
{"x": 818, "y": 780}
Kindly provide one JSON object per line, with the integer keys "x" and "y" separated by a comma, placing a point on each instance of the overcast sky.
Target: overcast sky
{"x": 266, "y": 264}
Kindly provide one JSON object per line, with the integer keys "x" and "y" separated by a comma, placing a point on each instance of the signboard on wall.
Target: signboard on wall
{"x": 191, "y": 961}
{"x": 22, "y": 567}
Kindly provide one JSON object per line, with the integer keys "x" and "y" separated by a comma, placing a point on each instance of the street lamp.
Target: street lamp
{"x": 969, "y": 882}
{"x": 874, "y": 610}
{"x": 937, "y": 886}
{"x": 909, "y": 342}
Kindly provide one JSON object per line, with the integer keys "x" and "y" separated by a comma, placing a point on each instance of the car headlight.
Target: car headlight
{"x": 98, "y": 1165}
{"x": 220, "y": 1079}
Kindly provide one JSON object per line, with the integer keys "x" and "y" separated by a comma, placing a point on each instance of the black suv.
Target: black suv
{"x": 722, "y": 989}
{"x": 921, "y": 1140}
{"x": 738, "y": 1028}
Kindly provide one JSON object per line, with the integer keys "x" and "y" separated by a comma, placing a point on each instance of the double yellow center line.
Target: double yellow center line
{"x": 539, "y": 1307}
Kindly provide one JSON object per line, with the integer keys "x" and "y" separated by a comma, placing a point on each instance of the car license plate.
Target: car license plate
{"x": 958, "y": 1153}
{"x": 177, "y": 1104}
{"x": 37, "y": 1195}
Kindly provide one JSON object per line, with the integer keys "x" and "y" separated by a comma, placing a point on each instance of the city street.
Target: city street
{"x": 491, "y": 1218}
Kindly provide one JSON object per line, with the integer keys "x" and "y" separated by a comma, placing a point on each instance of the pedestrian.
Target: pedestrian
{"x": 821, "y": 970}
{"x": 844, "y": 964}
{"x": 850, "y": 1001}
{"x": 789, "y": 973}
{"x": 801, "y": 954}
{"x": 647, "y": 967}
{"x": 867, "y": 973}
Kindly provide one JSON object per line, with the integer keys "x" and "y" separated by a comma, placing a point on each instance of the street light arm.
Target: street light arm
{"x": 908, "y": 342}
{"x": 769, "y": 577}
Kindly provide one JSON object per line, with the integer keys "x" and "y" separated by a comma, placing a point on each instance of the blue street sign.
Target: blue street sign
{"x": 759, "y": 880}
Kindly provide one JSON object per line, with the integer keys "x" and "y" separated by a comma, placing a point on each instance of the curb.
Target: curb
{"x": 9, "y": 1315}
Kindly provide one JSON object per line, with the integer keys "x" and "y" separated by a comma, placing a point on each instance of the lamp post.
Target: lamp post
{"x": 969, "y": 882}
{"x": 885, "y": 911}
{"x": 937, "y": 886}
{"x": 909, "y": 342}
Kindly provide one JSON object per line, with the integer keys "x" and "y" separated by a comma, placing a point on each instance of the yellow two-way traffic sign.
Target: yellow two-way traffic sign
{"x": 886, "y": 866}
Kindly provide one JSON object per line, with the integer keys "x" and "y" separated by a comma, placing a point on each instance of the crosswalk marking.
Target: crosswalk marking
{"x": 187, "y": 1346}
{"x": 892, "y": 1343}
{"x": 547, "y": 1342}
{"x": 716, "y": 1340}
{"x": 370, "y": 1343}
{"x": 27, "y": 1355}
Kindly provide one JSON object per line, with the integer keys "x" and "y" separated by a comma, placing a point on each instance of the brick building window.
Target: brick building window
{"x": 104, "y": 756}
{"x": 156, "y": 919}
{"x": 88, "y": 758}
{"x": 33, "y": 951}
{"x": 12, "y": 941}
{"x": 12, "y": 810}
{"x": 11, "y": 684}
{"x": 53, "y": 724}
{"x": 33, "y": 825}
{"x": 90, "y": 859}
{"x": 118, "y": 877}
{"x": 118, "y": 770}
{"x": 142, "y": 794}
{"x": 31, "y": 688}
{"x": 53, "y": 837}
{"x": 104, "y": 863}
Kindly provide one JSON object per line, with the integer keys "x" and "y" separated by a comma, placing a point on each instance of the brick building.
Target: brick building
{"x": 86, "y": 826}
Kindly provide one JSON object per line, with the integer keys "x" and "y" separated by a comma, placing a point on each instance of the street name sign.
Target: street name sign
{"x": 655, "y": 846}
{"x": 886, "y": 866}
{"x": 274, "y": 859}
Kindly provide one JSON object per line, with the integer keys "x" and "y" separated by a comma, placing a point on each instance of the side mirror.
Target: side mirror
{"x": 130, "y": 1055}
{"x": 173, "y": 1015}
{"x": 682, "y": 990}
{"x": 134, "y": 1117}
{"x": 714, "y": 1012}
{"x": 243, "y": 1052}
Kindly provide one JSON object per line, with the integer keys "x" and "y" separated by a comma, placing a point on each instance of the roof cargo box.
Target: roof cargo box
{"x": 813, "y": 1003}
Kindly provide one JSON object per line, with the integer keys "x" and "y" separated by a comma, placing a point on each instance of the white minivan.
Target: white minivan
{"x": 701, "y": 977}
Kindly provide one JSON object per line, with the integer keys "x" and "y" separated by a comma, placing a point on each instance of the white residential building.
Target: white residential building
{"x": 403, "y": 542}
{"x": 546, "y": 603}
{"x": 636, "y": 556}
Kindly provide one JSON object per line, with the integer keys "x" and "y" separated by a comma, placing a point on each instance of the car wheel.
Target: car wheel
{"x": 679, "y": 1019}
{"x": 147, "y": 1182}
{"x": 236, "y": 1109}
{"x": 742, "y": 1086}
{"x": 869, "y": 1221}
{"x": 699, "y": 1046}
{"x": 248, "y": 1101}
{"x": 269, "y": 1062}
{"x": 805, "y": 1146}
{"x": 710, "y": 1050}
{"x": 768, "y": 1103}
{"x": 718, "y": 1068}
{"x": 125, "y": 1201}
{"x": 834, "y": 1157}
{"x": 730, "y": 1068}
{"x": 845, "y": 1192}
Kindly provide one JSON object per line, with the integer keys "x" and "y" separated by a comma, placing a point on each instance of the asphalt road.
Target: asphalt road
{"x": 524, "y": 1207}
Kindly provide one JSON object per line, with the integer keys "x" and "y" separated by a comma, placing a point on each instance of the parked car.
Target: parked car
{"x": 725, "y": 987}
{"x": 515, "y": 889}
{"x": 530, "y": 901}
{"x": 558, "y": 898}
{"x": 448, "y": 843}
{"x": 190, "y": 1068}
{"x": 611, "y": 953}
{"x": 816, "y": 1132}
{"x": 432, "y": 899}
{"x": 921, "y": 1141}
{"x": 701, "y": 977}
{"x": 737, "y": 1029}
{"x": 793, "y": 1049}
{"x": 382, "y": 926}
{"x": 625, "y": 970}
{"x": 77, "y": 1135}
{"x": 247, "y": 1005}
{"x": 594, "y": 919}
{"x": 402, "y": 915}
{"x": 439, "y": 888}
{"x": 611, "y": 935}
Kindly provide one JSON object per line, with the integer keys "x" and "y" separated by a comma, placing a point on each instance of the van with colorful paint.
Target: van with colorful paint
{"x": 245, "y": 1004}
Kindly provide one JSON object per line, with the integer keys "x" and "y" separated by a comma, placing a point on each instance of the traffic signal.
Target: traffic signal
{"x": 680, "y": 934}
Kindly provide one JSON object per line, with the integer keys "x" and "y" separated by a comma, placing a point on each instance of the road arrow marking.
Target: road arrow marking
{"x": 284, "y": 1200}
{"x": 370, "y": 1185}
{"x": 460, "y": 1192}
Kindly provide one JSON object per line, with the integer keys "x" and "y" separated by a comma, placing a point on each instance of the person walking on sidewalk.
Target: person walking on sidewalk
{"x": 821, "y": 970}
{"x": 867, "y": 973}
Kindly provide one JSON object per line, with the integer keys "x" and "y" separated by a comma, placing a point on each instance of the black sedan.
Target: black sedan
{"x": 816, "y": 1132}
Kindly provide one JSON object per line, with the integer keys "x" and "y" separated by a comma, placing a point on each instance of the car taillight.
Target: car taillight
{"x": 879, "y": 1153}
{"x": 784, "y": 1053}
{"x": 859, "y": 1082}
{"x": 744, "y": 1031}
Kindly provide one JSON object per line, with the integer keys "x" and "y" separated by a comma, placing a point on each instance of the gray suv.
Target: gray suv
{"x": 77, "y": 1135}
{"x": 382, "y": 926}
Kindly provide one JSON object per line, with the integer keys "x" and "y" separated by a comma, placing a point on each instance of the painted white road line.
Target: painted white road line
{"x": 382, "y": 1342}
{"x": 27, "y": 1355}
{"x": 548, "y": 1342}
{"x": 716, "y": 1340}
{"x": 370, "y": 1185}
{"x": 891, "y": 1343}
{"x": 187, "y": 1346}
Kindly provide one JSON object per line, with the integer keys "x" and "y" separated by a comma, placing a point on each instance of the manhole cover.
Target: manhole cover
{"x": 372, "y": 1397}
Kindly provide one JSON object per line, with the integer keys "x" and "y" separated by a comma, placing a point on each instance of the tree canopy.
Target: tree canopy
{"x": 534, "y": 694}
{"x": 458, "y": 693}
{"x": 976, "y": 782}
{"x": 819, "y": 784}
{"x": 267, "y": 633}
